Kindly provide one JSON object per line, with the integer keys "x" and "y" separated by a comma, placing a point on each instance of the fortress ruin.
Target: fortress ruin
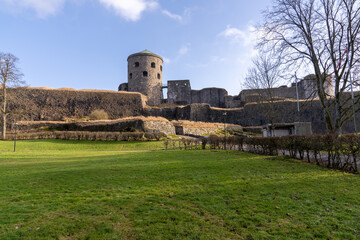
{"x": 142, "y": 96}
{"x": 145, "y": 76}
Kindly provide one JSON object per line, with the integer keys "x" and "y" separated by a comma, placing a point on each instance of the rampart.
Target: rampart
{"x": 254, "y": 114}
{"x": 40, "y": 104}
{"x": 213, "y": 96}
{"x": 130, "y": 124}
{"x": 36, "y": 104}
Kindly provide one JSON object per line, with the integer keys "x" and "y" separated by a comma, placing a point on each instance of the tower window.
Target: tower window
{"x": 145, "y": 73}
{"x": 159, "y": 76}
{"x": 137, "y": 64}
{"x": 130, "y": 75}
{"x": 153, "y": 65}
{"x": 160, "y": 67}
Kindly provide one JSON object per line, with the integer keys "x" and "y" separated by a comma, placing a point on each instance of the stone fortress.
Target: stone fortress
{"x": 142, "y": 96}
{"x": 145, "y": 76}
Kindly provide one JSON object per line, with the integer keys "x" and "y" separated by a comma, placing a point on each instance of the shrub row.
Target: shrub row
{"x": 333, "y": 151}
{"x": 183, "y": 144}
{"x": 89, "y": 136}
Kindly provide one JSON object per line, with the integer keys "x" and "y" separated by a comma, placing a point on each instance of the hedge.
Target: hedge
{"x": 333, "y": 151}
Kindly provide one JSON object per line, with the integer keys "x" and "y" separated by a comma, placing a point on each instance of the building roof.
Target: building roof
{"x": 145, "y": 53}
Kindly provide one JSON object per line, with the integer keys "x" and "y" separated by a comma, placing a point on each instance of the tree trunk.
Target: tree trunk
{"x": 3, "y": 114}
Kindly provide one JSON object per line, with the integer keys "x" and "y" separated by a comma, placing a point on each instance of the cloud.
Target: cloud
{"x": 166, "y": 60}
{"x": 131, "y": 10}
{"x": 43, "y": 8}
{"x": 248, "y": 36}
{"x": 184, "y": 50}
{"x": 218, "y": 59}
{"x": 173, "y": 16}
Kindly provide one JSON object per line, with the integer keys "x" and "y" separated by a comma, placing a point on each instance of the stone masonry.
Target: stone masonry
{"x": 145, "y": 76}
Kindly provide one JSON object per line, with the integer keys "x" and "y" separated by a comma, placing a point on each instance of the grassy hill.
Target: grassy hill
{"x": 113, "y": 190}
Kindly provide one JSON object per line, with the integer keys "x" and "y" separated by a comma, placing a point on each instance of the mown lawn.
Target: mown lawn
{"x": 109, "y": 190}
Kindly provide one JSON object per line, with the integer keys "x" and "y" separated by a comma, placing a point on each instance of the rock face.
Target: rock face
{"x": 145, "y": 75}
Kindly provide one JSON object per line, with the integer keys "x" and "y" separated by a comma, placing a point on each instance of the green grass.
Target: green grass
{"x": 108, "y": 190}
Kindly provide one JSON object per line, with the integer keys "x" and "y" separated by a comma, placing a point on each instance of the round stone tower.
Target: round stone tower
{"x": 145, "y": 75}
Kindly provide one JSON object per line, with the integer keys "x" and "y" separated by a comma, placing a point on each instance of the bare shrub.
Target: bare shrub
{"x": 98, "y": 114}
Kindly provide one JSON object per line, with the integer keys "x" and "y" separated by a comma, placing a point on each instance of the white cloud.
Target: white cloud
{"x": 184, "y": 50}
{"x": 248, "y": 36}
{"x": 172, "y": 15}
{"x": 130, "y": 9}
{"x": 43, "y": 8}
{"x": 167, "y": 60}
{"x": 218, "y": 59}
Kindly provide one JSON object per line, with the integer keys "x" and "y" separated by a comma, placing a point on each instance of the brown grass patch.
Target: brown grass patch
{"x": 192, "y": 124}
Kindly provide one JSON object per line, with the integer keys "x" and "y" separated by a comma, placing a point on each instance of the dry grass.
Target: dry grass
{"x": 127, "y": 119}
{"x": 227, "y": 109}
{"x": 192, "y": 124}
{"x": 82, "y": 90}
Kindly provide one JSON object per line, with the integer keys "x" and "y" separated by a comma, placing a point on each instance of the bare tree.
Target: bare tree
{"x": 264, "y": 76}
{"x": 324, "y": 34}
{"x": 10, "y": 76}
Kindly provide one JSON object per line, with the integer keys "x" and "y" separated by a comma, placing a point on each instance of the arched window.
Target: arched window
{"x": 153, "y": 65}
{"x": 159, "y": 76}
{"x": 160, "y": 67}
{"x": 145, "y": 73}
{"x": 130, "y": 76}
{"x": 137, "y": 64}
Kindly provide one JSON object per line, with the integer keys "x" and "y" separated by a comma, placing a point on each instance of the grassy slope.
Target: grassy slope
{"x": 72, "y": 190}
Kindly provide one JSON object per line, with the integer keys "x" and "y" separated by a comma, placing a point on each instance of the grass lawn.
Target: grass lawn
{"x": 53, "y": 189}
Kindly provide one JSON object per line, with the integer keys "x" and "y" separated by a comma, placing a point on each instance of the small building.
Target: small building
{"x": 286, "y": 129}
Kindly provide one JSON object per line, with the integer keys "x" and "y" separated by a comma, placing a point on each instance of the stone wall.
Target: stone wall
{"x": 36, "y": 104}
{"x": 150, "y": 84}
{"x": 213, "y": 96}
{"x": 179, "y": 92}
{"x": 233, "y": 102}
{"x": 306, "y": 90}
{"x": 138, "y": 124}
{"x": 283, "y": 92}
{"x": 184, "y": 127}
{"x": 123, "y": 87}
{"x": 254, "y": 114}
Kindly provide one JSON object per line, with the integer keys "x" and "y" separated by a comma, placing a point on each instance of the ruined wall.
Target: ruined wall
{"x": 254, "y": 114}
{"x": 233, "y": 102}
{"x": 37, "y": 104}
{"x": 282, "y": 92}
{"x": 138, "y": 124}
{"x": 179, "y": 92}
{"x": 123, "y": 87}
{"x": 306, "y": 90}
{"x": 184, "y": 127}
{"x": 213, "y": 96}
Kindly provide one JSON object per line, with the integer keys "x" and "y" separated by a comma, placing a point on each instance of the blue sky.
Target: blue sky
{"x": 84, "y": 44}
